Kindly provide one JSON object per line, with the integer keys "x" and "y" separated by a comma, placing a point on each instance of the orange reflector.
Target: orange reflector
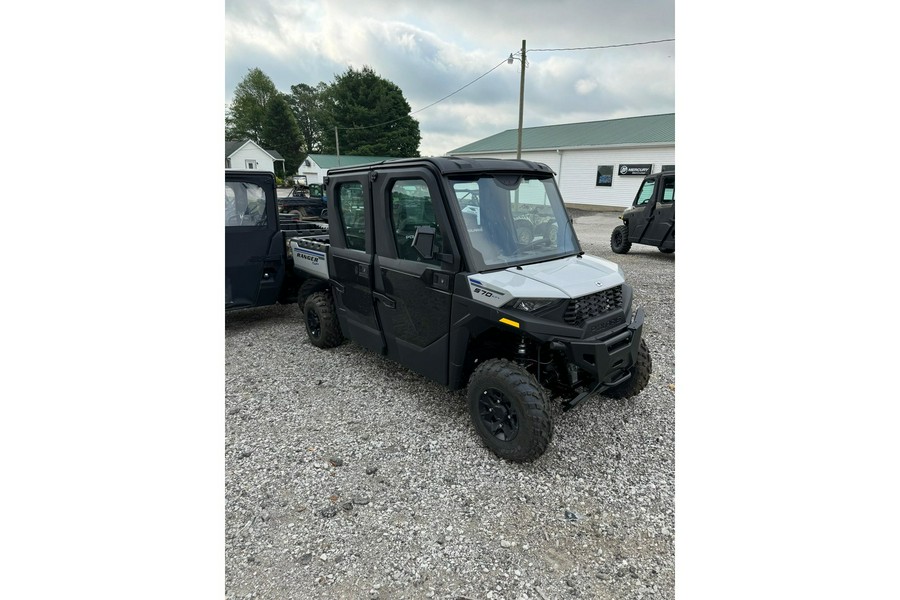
{"x": 509, "y": 322}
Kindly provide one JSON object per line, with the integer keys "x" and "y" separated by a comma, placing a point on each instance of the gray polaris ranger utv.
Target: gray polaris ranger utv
{"x": 424, "y": 263}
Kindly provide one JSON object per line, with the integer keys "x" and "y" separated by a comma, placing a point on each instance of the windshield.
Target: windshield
{"x": 511, "y": 219}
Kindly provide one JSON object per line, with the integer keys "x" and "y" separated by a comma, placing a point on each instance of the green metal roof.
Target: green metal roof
{"x": 330, "y": 161}
{"x": 653, "y": 129}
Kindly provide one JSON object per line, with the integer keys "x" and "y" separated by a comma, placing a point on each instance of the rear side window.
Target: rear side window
{"x": 245, "y": 204}
{"x": 646, "y": 192}
{"x": 668, "y": 189}
{"x": 353, "y": 218}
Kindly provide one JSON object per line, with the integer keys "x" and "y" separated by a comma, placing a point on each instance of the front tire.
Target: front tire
{"x": 321, "y": 320}
{"x": 640, "y": 376}
{"x": 619, "y": 240}
{"x": 667, "y": 250}
{"x": 510, "y": 410}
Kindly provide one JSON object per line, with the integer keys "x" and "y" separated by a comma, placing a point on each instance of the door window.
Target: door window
{"x": 411, "y": 207}
{"x": 668, "y": 190}
{"x": 646, "y": 193}
{"x": 353, "y": 217}
{"x": 245, "y": 204}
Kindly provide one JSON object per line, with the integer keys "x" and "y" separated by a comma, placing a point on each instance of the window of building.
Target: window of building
{"x": 250, "y": 164}
{"x": 604, "y": 175}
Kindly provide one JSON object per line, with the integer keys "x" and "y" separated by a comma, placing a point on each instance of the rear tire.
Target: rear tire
{"x": 667, "y": 250}
{"x": 510, "y": 410}
{"x": 619, "y": 240}
{"x": 640, "y": 376}
{"x": 321, "y": 320}
{"x": 307, "y": 289}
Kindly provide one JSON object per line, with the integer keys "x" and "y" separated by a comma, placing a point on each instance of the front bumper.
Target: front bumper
{"x": 608, "y": 362}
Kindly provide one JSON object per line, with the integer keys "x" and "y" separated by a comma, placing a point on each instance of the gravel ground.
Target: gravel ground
{"x": 350, "y": 477}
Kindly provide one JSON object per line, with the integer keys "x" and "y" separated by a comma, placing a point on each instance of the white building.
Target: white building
{"x": 315, "y": 166}
{"x": 599, "y": 164}
{"x": 247, "y": 154}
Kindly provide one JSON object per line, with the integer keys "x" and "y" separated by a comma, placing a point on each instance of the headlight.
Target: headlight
{"x": 531, "y": 304}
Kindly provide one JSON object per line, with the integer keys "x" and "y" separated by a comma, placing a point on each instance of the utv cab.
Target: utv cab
{"x": 651, "y": 218}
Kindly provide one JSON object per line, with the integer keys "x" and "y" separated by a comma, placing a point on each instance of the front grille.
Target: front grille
{"x": 594, "y": 305}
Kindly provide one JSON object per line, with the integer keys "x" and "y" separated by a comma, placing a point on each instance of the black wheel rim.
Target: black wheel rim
{"x": 312, "y": 322}
{"x": 498, "y": 415}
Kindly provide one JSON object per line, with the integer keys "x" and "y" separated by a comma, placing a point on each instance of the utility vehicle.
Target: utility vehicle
{"x": 258, "y": 267}
{"x": 651, "y": 218}
{"x": 423, "y": 263}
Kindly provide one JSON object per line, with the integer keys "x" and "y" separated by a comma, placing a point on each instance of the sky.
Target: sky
{"x": 431, "y": 49}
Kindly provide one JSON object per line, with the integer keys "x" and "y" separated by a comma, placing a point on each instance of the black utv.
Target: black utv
{"x": 651, "y": 218}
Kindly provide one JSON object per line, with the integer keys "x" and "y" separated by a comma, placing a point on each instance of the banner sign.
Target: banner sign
{"x": 635, "y": 169}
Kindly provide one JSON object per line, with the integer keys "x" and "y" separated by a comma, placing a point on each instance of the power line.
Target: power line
{"x": 497, "y": 66}
{"x": 599, "y": 47}
{"x": 492, "y": 69}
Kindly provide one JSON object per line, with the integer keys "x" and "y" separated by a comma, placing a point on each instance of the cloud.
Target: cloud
{"x": 432, "y": 53}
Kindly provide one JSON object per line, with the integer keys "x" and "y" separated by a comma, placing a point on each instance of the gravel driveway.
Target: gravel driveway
{"x": 348, "y": 476}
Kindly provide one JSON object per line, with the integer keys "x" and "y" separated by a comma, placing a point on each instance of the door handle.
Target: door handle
{"x": 388, "y": 302}
{"x": 362, "y": 270}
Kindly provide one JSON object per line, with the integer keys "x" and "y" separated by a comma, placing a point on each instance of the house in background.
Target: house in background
{"x": 315, "y": 166}
{"x": 599, "y": 165}
{"x": 247, "y": 154}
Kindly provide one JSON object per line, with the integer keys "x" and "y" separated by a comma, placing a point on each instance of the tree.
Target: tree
{"x": 247, "y": 112}
{"x": 280, "y": 133}
{"x": 306, "y": 103}
{"x": 371, "y": 115}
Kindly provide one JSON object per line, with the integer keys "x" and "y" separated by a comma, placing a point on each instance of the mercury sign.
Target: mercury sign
{"x": 635, "y": 169}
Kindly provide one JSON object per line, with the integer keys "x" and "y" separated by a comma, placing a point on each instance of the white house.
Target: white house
{"x": 599, "y": 165}
{"x": 247, "y": 154}
{"x": 315, "y": 166}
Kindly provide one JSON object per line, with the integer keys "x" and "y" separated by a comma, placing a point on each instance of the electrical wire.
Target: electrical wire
{"x": 597, "y": 47}
{"x": 497, "y": 66}
{"x": 494, "y": 68}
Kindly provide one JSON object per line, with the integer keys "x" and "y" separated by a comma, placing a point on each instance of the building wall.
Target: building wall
{"x": 252, "y": 152}
{"x": 576, "y": 172}
{"x": 314, "y": 173}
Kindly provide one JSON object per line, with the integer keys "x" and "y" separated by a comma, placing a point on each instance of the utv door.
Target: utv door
{"x": 254, "y": 257}
{"x": 352, "y": 249}
{"x": 413, "y": 293}
{"x": 642, "y": 211}
{"x": 661, "y": 231}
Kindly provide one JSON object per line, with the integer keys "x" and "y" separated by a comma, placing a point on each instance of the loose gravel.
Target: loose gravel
{"x": 348, "y": 476}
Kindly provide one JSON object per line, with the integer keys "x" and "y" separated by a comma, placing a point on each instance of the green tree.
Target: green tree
{"x": 247, "y": 113}
{"x": 306, "y": 102}
{"x": 371, "y": 114}
{"x": 280, "y": 133}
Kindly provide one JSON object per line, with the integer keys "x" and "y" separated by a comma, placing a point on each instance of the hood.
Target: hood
{"x": 569, "y": 277}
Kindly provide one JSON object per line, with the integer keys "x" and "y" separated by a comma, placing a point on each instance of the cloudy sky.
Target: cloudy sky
{"x": 432, "y": 48}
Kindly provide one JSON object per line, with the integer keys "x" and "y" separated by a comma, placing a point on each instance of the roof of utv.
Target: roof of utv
{"x": 449, "y": 165}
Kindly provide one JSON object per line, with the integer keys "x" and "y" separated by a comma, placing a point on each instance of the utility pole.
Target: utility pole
{"x": 337, "y": 144}
{"x": 521, "y": 102}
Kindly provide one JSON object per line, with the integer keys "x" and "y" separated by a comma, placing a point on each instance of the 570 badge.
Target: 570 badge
{"x": 485, "y": 293}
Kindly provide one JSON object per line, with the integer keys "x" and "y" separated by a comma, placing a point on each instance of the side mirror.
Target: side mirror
{"x": 423, "y": 241}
